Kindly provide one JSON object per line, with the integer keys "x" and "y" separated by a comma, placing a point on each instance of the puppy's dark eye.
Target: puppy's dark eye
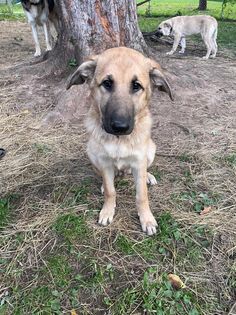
{"x": 136, "y": 86}
{"x": 107, "y": 84}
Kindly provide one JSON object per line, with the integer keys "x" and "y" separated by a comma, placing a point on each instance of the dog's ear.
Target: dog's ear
{"x": 167, "y": 25}
{"x": 158, "y": 79}
{"x": 84, "y": 72}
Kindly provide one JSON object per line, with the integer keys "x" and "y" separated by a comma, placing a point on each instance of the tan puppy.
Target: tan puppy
{"x": 181, "y": 26}
{"x": 119, "y": 123}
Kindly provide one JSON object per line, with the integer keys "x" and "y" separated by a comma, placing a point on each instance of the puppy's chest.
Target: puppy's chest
{"x": 121, "y": 155}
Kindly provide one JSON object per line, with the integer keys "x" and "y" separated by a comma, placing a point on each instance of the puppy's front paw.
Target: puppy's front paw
{"x": 151, "y": 180}
{"x": 149, "y": 224}
{"x": 205, "y": 58}
{"x": 106, "y": 216}
{"x": 170, "y": 53}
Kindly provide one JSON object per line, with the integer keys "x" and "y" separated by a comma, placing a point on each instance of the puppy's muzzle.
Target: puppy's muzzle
{"x": 119, "y": 125}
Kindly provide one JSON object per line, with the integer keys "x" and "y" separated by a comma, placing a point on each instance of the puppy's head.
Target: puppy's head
{"x": 164, "y": 29}
{"x": 120, "y": 80}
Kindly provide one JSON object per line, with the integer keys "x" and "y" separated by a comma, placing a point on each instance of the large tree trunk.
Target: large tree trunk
{"x": 90, "y": 26}
{"x": 202, "y": 5}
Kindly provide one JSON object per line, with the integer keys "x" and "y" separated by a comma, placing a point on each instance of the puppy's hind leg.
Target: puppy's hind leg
{"x": 214, "y": 44}
{"x": 36, "y": 40}
{"x": 208, "y": 43}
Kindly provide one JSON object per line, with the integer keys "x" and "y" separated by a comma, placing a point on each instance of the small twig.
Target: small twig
{"x": 232, "y": 309}
{"x": 141, "y": 3}
{"x": 185, "y": 129}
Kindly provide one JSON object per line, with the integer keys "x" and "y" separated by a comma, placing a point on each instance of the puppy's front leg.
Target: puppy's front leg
{"x": 108, "y": 210}
{"x": 175, "y": 44}
{"x": 146, "y": 217}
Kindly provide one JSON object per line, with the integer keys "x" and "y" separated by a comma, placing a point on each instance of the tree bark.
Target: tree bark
{"x": 202, "y": 5}
{"x": 91, "y": 26}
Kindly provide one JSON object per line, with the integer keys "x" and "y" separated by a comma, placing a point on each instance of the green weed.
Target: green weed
{"x": 60, "y": 270}
{"x": 41, "y": 301}
{"x": 155, "y": 295}
{"x": 79, "y": 195}
{"x": 231, "y": 159}
{"x": 192, "y": 200}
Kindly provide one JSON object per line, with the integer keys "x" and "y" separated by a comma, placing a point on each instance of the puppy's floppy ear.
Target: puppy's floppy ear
{"x": 158, "y": 79}
{"x": 84, "y": 72}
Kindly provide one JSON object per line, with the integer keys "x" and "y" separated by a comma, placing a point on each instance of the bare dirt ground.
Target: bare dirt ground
{"x": 196, "y": 145}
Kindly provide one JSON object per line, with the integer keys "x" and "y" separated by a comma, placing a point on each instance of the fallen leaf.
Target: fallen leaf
{"x": 205, "y": 211}
{"x": 73, "y": 312}
{"x": 175, "y": 281}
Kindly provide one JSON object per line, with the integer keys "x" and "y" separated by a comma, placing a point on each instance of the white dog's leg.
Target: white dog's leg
{"x": 36, "y": 40}
{"x": 175, "y": 45}
{"x": 183, "y": 45}
{"x": 47, "y": 36}
{"x": 207, "y": 41}
{"x": 214, "y": 44}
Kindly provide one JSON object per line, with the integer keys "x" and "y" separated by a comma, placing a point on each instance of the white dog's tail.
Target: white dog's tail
{"x": 214, "y": 35}
{"x": 214, "y": 43}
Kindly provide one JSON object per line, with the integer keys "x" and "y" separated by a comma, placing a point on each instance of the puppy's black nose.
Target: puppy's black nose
{"x": 120, "y": 126}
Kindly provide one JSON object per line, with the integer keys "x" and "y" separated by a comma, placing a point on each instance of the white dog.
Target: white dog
{"x": 181, "y": 26}
{"x": 40, "y": 13}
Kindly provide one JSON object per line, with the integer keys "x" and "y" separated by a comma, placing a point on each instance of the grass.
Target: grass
{"x": 76, "y": 277}
{"x": 167, "y": 8}
{"x": 12, "y": 13}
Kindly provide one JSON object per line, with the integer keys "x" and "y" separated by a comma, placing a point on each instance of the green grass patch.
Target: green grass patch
{"x": 4, "y": 211}
{"x": 6, "y": 206}
{"x": 42, "y": 300}
{"x": 155, "y": 295}
{"x": 71, "y": 227}
{"x": 79, "y": 194}
{"x": 192, "y": 200}
{"x": 171, "y": 243}
{"x": 60, "y": 270}
{"x": 11, "y": 13}
{"x": 41, "y": 148}
{"x": 230, "y": 159}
